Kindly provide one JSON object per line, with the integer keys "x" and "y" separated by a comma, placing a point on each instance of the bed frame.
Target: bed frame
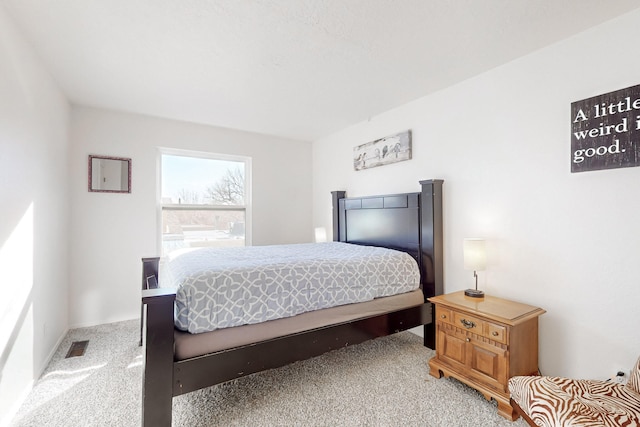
{"x": 411, "y": 222}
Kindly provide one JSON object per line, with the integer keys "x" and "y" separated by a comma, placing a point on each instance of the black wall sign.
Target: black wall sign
{"x": 605, "y": 131}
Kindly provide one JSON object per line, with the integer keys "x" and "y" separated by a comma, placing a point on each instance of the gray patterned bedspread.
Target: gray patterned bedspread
{"x": 223, "y": 287}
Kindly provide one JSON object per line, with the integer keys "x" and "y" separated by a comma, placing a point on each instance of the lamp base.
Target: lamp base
{"x": 474, "y": 293}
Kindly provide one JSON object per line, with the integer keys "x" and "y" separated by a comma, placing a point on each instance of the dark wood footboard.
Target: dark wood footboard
{"x": 158, "y": 355}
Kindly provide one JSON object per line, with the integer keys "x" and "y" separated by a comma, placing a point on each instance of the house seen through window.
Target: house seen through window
{"x": 204, "y": 200}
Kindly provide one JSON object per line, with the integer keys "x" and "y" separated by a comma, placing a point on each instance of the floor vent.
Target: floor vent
{"x": 77, "y": 349}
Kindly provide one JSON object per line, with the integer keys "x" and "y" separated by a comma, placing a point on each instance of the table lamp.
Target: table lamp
{"x": 475, "y": 258}
{"x": 320, "y": 234}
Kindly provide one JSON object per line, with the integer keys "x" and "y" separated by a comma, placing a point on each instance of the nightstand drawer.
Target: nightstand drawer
{"x": 444, "y": 314}
{"x": 495, "y": 332}
{"x": 469, "y": 323}
{"x": 488, "y": 329}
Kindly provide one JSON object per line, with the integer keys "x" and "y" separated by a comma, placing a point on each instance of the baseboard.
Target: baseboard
{"x": 106, "y": 322}
{"x": 47, "y": 360}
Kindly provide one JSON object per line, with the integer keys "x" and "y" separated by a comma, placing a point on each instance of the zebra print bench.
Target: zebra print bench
{"x": 559, "y": 402}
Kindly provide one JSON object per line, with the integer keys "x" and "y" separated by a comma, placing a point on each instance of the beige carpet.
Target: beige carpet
{"x": 384, "y": 382}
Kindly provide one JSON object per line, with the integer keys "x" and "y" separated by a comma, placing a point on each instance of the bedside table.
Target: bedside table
{"x": 483, "y": 342}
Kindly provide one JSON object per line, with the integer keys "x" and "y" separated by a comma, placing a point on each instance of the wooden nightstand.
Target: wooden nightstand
{"x": 483, "y": 342}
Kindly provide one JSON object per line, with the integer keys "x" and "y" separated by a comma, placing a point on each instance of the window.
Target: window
{"x": 205, "y": 200}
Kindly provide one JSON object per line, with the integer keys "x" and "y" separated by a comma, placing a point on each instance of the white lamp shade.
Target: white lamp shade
{"x": 475, "y": 254}
{"x": 320, "y": 234}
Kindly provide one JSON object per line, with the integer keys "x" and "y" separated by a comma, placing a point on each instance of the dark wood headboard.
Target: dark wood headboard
{"x": 410, "y": 222}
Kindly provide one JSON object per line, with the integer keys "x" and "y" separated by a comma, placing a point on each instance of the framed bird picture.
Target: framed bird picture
{"x": 383, "y": 151}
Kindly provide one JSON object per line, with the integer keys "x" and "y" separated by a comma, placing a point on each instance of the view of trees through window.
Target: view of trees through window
{"x": 203, "y": 202}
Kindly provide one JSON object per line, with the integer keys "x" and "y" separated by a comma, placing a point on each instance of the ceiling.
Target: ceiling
{"x": 301, "y": 69}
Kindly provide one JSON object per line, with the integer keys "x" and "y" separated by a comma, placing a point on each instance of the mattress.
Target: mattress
{"x": 227, "y": 287}
{"x": 192, "y": 345}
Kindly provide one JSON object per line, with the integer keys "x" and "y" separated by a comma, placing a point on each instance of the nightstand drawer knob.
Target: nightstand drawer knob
{"x": 467, "y": 323}
{"x": 444, "y": 316}
{"x": 494, "y": 333}
{"x": 468, "y": 339}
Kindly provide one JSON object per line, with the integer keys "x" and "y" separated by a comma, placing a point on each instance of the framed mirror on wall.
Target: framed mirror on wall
{"x": 109, "y": 174}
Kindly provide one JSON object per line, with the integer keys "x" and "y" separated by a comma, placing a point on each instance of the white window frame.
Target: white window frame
{"x": 172, "y": 206}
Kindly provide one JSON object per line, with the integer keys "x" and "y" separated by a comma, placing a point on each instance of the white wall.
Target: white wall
{"x": 34, "y": 216}
{"x": 568, "y": 243}
{"x": 111, "y": 232}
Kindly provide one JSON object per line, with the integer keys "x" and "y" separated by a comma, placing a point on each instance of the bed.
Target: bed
{"x": 178, "y": 362}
